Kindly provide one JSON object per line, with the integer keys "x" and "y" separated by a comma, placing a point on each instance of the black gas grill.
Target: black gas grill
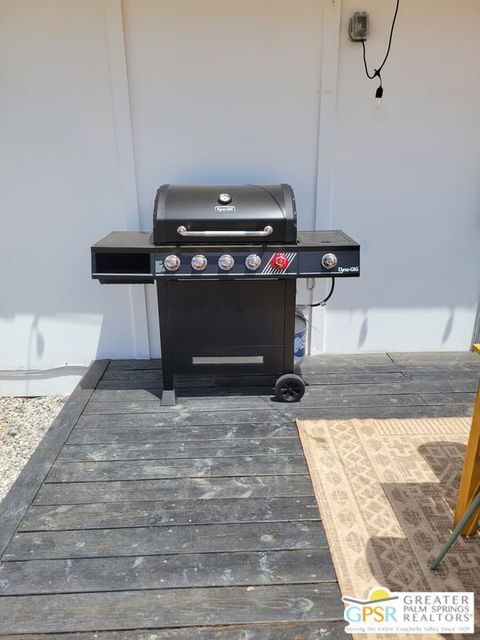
{"x": 225, "y": 259}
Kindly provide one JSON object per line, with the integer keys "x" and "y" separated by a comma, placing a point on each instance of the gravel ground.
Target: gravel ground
{"x": 23, "y": 423}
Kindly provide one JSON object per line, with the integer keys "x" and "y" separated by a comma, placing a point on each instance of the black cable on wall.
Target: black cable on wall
{"x": 377, "y": 73}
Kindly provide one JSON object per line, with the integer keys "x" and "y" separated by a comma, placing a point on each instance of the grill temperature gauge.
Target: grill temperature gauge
{"x": 253, "y": 261}
{"x": 226, "y": 262}
{"x": 171, "y": 263}
{"x": 199, "y": 262}
{"x": 224, "y": 198}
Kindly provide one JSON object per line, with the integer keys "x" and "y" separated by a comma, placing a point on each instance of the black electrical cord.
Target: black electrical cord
{"x": 325, "y": 300}
{"x": 377, "y": 73}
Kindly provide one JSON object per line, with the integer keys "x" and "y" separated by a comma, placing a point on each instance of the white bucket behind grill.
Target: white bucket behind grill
{"x": 300, "y": 336}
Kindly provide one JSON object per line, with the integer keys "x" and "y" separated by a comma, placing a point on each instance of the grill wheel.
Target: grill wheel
{"x": 289, "y": 388}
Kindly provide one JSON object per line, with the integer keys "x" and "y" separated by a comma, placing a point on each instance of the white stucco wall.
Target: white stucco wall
{"x": 228, "y": 91}
{"x": 59, "y": 191}
{"x": 406, "y": 181}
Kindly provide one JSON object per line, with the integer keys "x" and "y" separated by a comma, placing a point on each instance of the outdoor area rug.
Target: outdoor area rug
{"x": 386, "y": 490}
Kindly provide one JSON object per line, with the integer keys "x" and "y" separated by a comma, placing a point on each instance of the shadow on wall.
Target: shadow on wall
{"x": 445, "y": 328}
{"x": 35, "y": 341}
{"x": 363, "y": 332}
{"x": 64, "y": 318}
{"x": 49, "y": 353}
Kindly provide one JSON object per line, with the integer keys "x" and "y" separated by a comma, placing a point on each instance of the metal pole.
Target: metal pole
{"x": 474, "y": 505}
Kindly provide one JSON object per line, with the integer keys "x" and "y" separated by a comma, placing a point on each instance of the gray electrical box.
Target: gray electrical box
{"x": 358, "y": 26}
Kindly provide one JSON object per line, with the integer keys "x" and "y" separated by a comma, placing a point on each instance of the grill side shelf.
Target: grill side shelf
{"x": 123, "y": 258}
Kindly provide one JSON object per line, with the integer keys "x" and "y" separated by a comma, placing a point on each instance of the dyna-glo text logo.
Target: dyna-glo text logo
{"x": 385, "y": 611}
{"x": 348, "y": 269}
{"x": 225, "y": 208}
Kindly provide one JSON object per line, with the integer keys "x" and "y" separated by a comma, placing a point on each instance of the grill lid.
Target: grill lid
{"x": 206, "y": 214}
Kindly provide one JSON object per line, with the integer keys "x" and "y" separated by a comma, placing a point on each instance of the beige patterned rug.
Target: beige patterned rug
{"x": 386, "y": 490}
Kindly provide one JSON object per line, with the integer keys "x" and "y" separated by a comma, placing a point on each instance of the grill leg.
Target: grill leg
{"x": 166, "y": 340}
{"x": 288, "y": 342}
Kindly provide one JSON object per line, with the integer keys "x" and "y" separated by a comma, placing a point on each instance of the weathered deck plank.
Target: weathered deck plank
{"x": 174, "y": 489}
{"x": 151, "y": 383}
{"x": 92, "y": 543}
{"x": 236, "y": 403}
{"x": 103, "y": 431}
{"x": 448, "y": 398}
{"x": 166, "y": 572}
{"x": 169, "y": 608}
{"x": 279, "y": 415}
{"x": 268, "y": 465}
{"x": 204, "y": 449}
{"x": 321, "y": 630}
{"x": 443, "y": 359}
{"x": 185, "y": 420}
{"x": 164, "y": 512}
{"x": 402, "y": 385}
{"x": 137, "y": 428}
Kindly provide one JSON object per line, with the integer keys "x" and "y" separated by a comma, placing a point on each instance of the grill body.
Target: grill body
{"x": 220, "y": 326}
{"x": 233, "y": 320}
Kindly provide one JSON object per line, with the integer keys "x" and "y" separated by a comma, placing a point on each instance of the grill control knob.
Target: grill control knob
{"x": 224, "y": 198}
{"x": 171, "y": 263}
{"x": 253, "y": 261}
{"x": 199, "y": 262}
{"x": 329, "y": 261}
{"x": 226, "y": 262}
{"x": 279, "y": 261}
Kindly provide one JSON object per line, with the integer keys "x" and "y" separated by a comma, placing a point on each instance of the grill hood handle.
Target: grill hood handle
{"x": 267, "y": 231}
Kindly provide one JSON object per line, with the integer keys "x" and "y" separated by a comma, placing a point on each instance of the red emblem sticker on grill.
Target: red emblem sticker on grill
{"x": 279, "y": 262}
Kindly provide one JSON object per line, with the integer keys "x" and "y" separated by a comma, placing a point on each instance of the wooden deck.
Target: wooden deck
{"x": 197, "y": 521}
